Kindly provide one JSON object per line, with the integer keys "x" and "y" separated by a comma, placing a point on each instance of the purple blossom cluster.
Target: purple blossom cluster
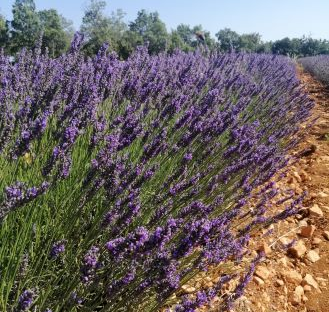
{"x": 57, "y": 249}
{"x": 18, "y": 194}
{"x": 90, "y": 264}
{"x": 25, "y": 300}
{"x": 172, "y": 148}
{"x": 318, "y": 66}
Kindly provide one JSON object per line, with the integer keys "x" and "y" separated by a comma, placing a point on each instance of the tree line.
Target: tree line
{"x": 29, "y": 25}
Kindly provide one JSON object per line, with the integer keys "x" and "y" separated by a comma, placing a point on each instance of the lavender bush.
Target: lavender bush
{"x": 318, "y": 66}
{"x": 122, "y": 180}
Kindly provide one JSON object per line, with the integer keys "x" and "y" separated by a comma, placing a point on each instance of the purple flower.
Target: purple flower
{"x": 187, "y": 157}
{"x": 75, "y": 298}
{"x": 90, "y": 264}
{"x": 25, "y": 300}
{"x": 57, "y": 249}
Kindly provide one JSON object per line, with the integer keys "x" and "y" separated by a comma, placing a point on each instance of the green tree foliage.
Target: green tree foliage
{"x": 186, "y": 38}
{"x": 228, "y": 39}
{"x": 99, "y": 28}
{"x": 54, "y": 36}
{"x": 119, "y": 37}
{"x": 150, "y": 30}
{"x": 311, "y": 47}
{"x": 284, "y": 46}
{"x": 3, "y": 32}
{"x": 202, "y": 37}
{"x": 264, "y": 47}
{"x": 305, "y": 46}
{"x": 25, "y": 26}
{"x": 182, "y": 38}
{"x": 95, "y": 26}
{"x": 186, "y": 33}
{"x": 67, "y": 26}
{"x": 176, "y": 42}
{"x": 250, "y": 42}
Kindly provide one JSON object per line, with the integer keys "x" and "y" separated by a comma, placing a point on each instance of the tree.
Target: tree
{"x": 95, "y": 26}
{"x": 250, "y": 42}
{"x": 118, "y": 30}
{"x": 229, "y": 40}
{"x": 176, "y": 42}
{"x": 181, "y": 38}
{"x": 99, "y": 28}
{"x": 204, "y": 39}
{"x": 3, "y": 32}
{"x": 186, "y": 38}
{"x": 323, "y": 47}
{"x": 185, "y": 33}
{"x": 128, "y": 43}
{"x": 54, "y": 36}
{"x": 287, "y": 46}
{"x": 67, "y": 27}
{"x": 310, "y": 46}
{"x": 264, "y": 47}
{"x": 151, "y": 30}
{"x": 25, "y": 26}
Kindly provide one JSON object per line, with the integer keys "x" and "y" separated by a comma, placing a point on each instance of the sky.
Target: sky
{"x": 272, "y": 19}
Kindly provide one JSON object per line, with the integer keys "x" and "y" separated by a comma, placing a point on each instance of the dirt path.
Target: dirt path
{"x": 298, "y": 279}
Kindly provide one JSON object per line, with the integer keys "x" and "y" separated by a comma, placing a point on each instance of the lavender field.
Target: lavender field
{"x": 318, "y": 66}
{"x": 122, "y": 180}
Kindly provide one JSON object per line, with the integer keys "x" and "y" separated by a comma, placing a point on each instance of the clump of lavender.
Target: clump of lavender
{"x": 25, "y": 300}
{"x": 18, "y": 194}
{"x": 151, "y": 161}
{"x": 57, "y": 249}
{"x": 318, "y": 66}
{"x": 90, "y": 265}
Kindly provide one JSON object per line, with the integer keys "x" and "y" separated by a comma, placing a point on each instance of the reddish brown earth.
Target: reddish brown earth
{"x": 297, "y": 279}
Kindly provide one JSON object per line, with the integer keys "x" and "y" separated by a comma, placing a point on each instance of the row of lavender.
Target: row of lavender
{"x": 122, "y": 180}
{"x": 318, "y": 66}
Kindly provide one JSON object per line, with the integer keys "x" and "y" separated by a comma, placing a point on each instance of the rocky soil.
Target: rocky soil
{"x": 297, "y": 278}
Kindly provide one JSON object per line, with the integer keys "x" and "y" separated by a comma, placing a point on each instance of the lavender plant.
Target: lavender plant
{"x": 122, "y": 180}
{"x": 318, "y": 66}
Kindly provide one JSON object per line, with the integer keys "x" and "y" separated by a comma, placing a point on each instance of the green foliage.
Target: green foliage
{"x": 187, "y": 39}
{"x": 264, "y": 47}
{"x": 206, "y": 40}
{"x": 67, "y": 26}
{"x": 229, "y": 40}
{"x": 186, "y": 34}
{"x": 285, "y": 46}
{"x": 25, "y": 26}
{"x": 95, "y": 26}
{"x": 128, "y": 43}
{"x": 305, "y": 46}
{"x": 177, "y": 42}
{"x": 310, "y": 46}
{"x": 151, "y": 30}
{"x": 3, "y": 31}
{"x": 250, "y": 42}
{"x": 99, "y": 28}
{"x": 54, "y": 36}
{"x": 28, "y": 26}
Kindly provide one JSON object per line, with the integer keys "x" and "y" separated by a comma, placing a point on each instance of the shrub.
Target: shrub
{"x": 318, "y": 66}
{"x": 122, "y": 180}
